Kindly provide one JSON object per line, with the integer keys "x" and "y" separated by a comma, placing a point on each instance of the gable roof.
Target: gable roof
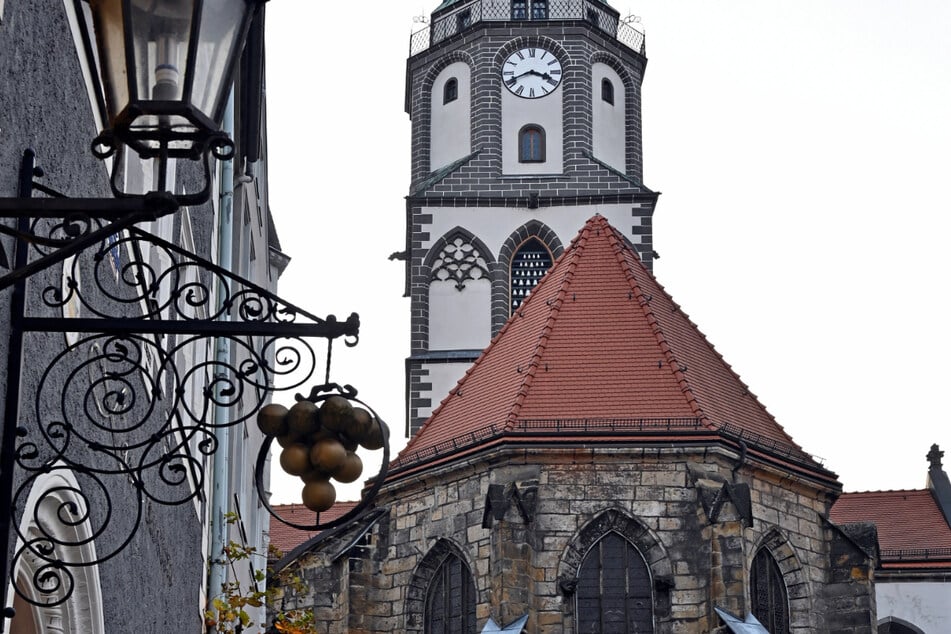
{"x": 598, "y": 352}
{"x": 285, "y": 538}
{"x": 910, "y": 524}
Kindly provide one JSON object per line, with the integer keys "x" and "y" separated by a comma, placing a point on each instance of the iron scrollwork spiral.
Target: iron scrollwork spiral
{"x": 125, "y": 417}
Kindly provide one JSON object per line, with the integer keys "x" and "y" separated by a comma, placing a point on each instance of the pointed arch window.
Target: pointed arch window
{"x": 614, "y": 589}
{"x": 768, "y": 598}
{"x": 451, "y": 599}
{"x": 529, "y": 264}
{"x": 450, "y": 91}
{"x": 607, "y": 91}
{"x": 531, "y": 144}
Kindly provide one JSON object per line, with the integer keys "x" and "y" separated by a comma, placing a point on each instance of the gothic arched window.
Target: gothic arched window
{"x": 768, "y": 599}
{"x": 529, "y": 264}
{"x": 607, "y": 91}
{"x": 531, "y": 144}
{"x": 451, "y": 599}
{"x": 450, "y": 92}
{"x": 614, "y": 589}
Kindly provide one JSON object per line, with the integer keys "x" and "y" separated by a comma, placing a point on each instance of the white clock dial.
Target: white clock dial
{"x": 531, "y": 72}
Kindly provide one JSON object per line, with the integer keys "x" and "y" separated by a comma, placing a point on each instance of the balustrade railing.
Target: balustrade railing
{"x": 468, "y": 14}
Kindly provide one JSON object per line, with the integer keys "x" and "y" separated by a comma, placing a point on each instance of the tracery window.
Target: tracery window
{"x": 614, "y": 589}
{"x": 531, "y": 144}
{"x": 458, "y": 261}
{"x": 529, "y": 264}
{"x": 451, "y": 599}
{"x": 607, "y": 91}
{"x": 769, "y": 602}
{"x": 450, "y": 92}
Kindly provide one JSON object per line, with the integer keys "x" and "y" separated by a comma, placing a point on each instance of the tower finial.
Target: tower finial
{"x": 934, "y": 457}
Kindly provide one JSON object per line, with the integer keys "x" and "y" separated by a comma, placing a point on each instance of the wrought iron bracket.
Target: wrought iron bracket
{"x": 128, "y": 402}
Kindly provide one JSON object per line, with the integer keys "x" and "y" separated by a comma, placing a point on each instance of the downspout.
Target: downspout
{"x": 221, "y": 470}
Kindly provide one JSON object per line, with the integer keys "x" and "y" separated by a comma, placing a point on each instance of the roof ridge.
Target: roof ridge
{"x": 616, "y": 240}
{"x": 729, "y": 367}
{"x": 577, "y": 244}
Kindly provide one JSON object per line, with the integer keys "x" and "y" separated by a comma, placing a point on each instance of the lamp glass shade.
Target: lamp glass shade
{"x": 166, "y": 67}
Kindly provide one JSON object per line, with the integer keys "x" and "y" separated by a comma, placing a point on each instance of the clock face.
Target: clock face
{"x": 531, "y": 72}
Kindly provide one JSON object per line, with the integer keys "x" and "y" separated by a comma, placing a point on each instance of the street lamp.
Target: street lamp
{"x": 166, "y": 68}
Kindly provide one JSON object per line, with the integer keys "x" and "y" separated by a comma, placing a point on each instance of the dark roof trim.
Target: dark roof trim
{"x": 368, "y": 518}
{"x": 524, "y": 201}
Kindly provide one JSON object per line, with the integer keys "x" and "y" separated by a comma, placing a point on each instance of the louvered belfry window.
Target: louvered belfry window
{"x": 529, "y": 264}
{"x": 768, "y": 594}
{"x": 614, "y": 589}
{"x": 451, "y": 601}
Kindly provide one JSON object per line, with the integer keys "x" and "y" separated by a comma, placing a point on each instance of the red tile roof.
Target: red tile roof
{"x": 598, "y": 346}
{"x": 285, "y": 538}
{"x": 910, "y": 523}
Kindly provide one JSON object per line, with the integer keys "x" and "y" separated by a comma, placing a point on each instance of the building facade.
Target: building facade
{"x": 914, "y": 537}
{"x": 136, "y": 535}
{"x": 581, "y": 458}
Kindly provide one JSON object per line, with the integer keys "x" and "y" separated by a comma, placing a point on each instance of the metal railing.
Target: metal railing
{"x": 535, "y": 427}
{"x": 915, "y": 554}
{"x": 469, "y": 14}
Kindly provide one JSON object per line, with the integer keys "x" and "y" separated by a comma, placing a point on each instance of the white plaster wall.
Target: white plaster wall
{"x": 518, "y": 112}
{"x": 493, "y": 225}
{"x": 451, "y": 137}
{"x": 459, "y": 320}
{"x": 924, "y": 604}
{"x": 443, "y": 377}
{"x": 608, "y": 120}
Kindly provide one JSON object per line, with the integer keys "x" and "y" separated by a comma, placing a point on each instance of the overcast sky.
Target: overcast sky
{"x": 802, "y": 152}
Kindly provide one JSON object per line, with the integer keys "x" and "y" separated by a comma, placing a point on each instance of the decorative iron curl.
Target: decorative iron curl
{"x": 62, "y": 535}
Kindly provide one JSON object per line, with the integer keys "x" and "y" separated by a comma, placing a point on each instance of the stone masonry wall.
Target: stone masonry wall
{"x": 560, "y": 502}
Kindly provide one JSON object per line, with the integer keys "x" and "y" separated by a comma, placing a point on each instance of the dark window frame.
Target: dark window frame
{"x": 614, "y": 591}
{"x": 539, "y": 9}
{"x": 450, "y": 90}
{"x": 463, "y": 19}
{"x": 519, "y": 9}
{"x": 536, "y": 151}
{"x": 451, "y": 599}
{"x": 525, "y": 272}
{"x": 769, "y": 599}
{"x": 607, "y": 91}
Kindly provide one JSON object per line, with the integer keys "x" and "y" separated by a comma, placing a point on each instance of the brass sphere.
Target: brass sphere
{"x": 318, "y": 495}
{"x": 327, "y": 454}
{"x": 295, "y": 459}
{"x": 373, "y": 439}
{"x": 350, "y": 469}
{"x": 336, "y": 413}
{"x": 271, "y": 420}
{"x": 302, "y": 418}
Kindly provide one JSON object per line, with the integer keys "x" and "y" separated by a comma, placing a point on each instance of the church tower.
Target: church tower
{"x": 526, "y": 121}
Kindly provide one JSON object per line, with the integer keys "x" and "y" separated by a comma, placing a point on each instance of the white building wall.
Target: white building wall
{"x": 443, "y": 377}
{"x": 546, "y": 112}
{"x": 925, "y": 604}
{"x": 450, "y": 130}
{"x": 459, "y": 319}
{"x": 608, "y": 120}
{"x": 494, "y": 225}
